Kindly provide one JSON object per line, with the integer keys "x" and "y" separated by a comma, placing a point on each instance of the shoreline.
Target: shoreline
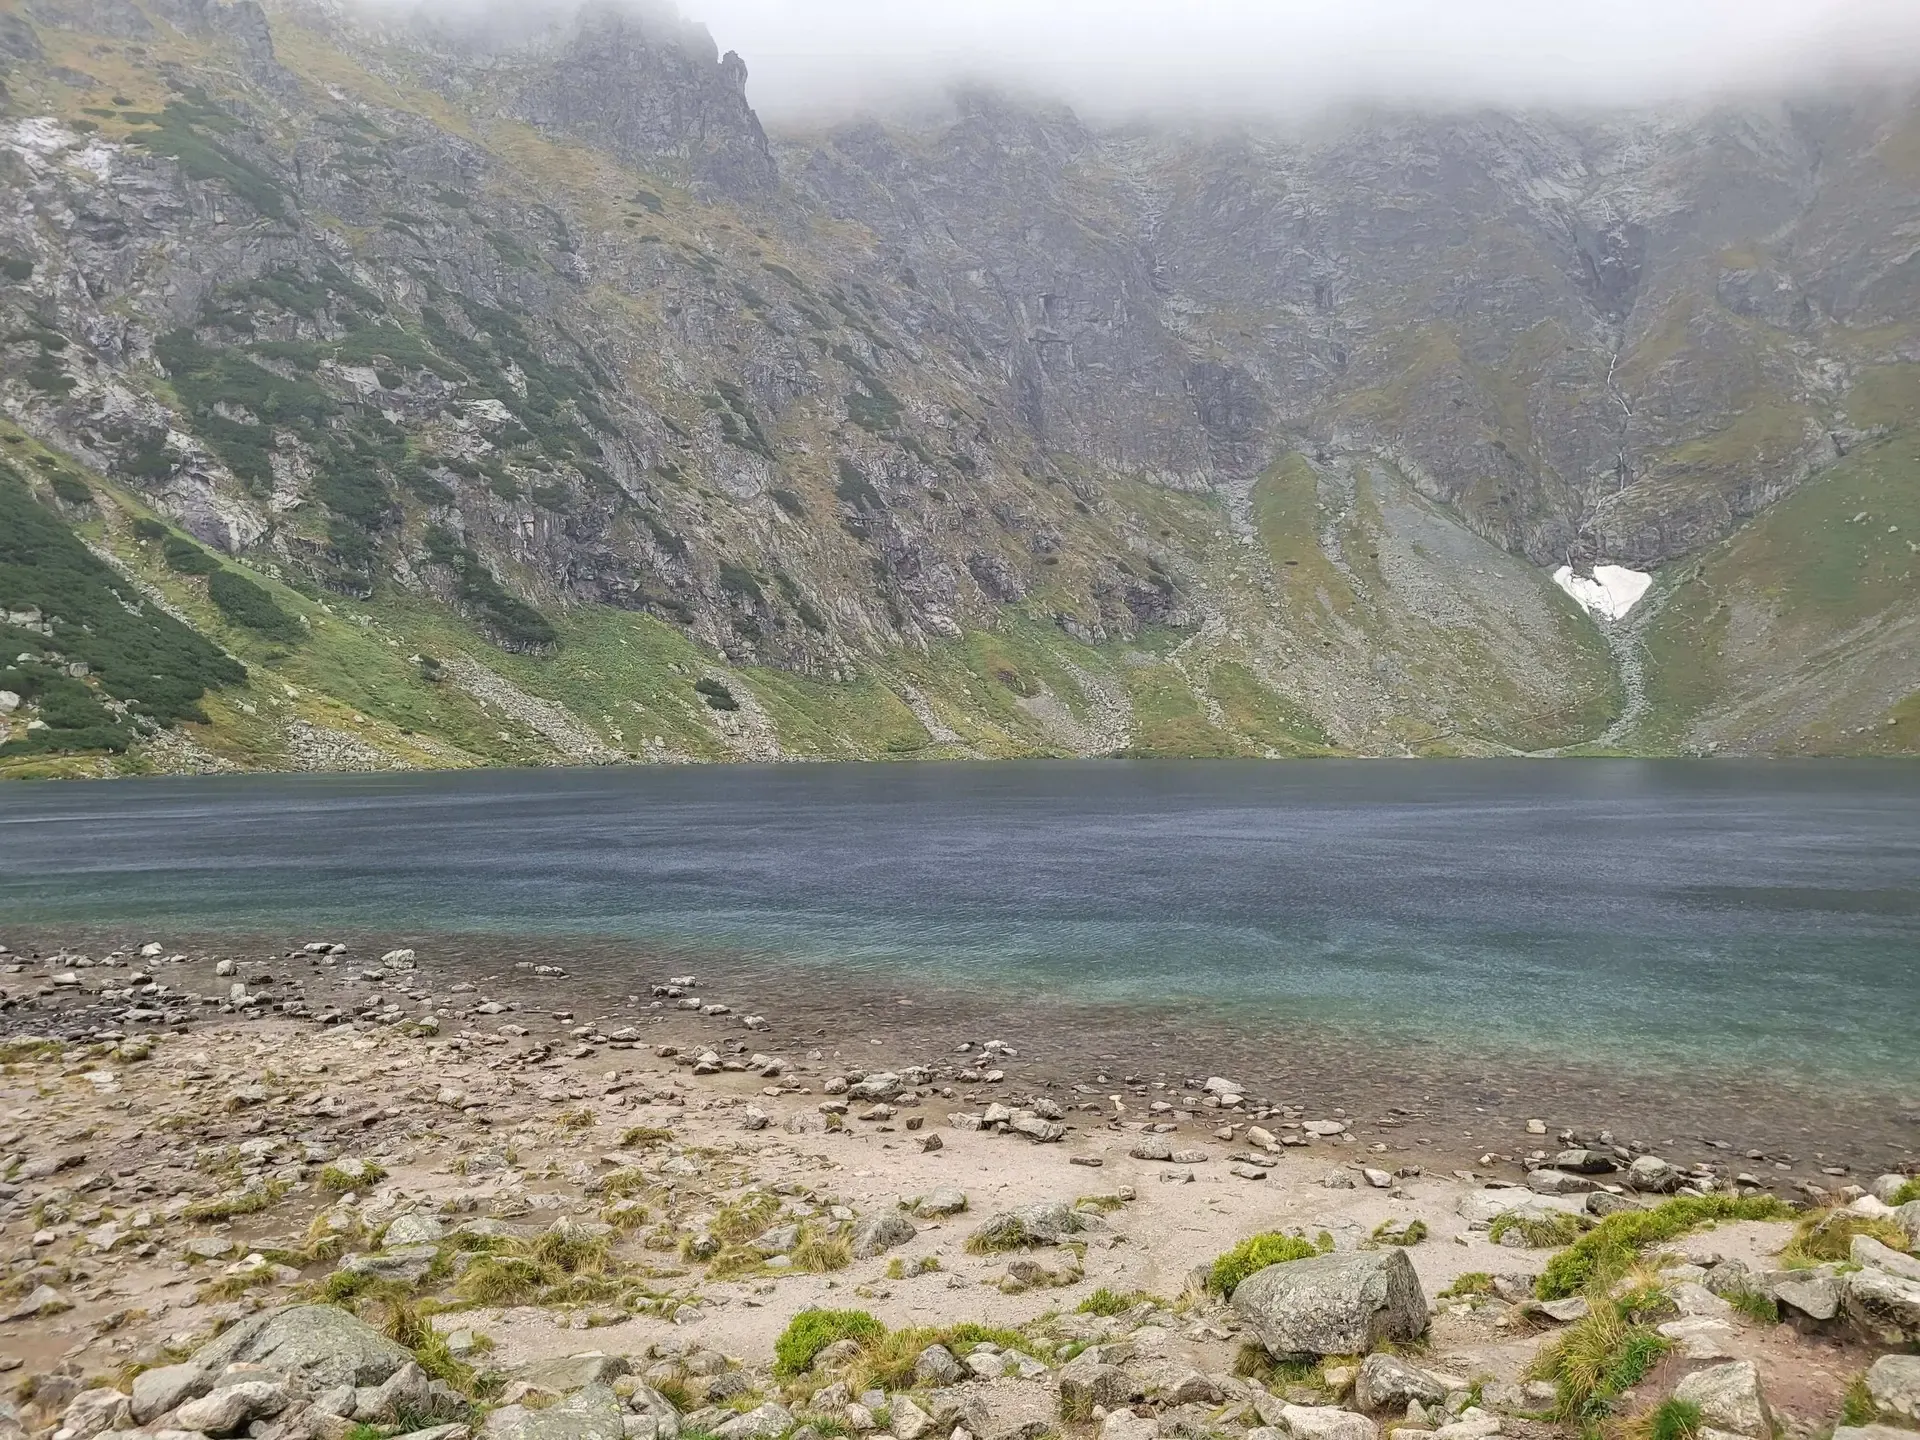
{"x": 1434, "y": 1103}
{"x": 534, "y": 1195}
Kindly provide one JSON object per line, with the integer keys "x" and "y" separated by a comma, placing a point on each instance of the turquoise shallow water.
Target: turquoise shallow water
{"x": 1740, "y": 916}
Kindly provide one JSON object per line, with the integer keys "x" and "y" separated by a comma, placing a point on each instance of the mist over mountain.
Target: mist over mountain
{"x": 1091, "y": 381}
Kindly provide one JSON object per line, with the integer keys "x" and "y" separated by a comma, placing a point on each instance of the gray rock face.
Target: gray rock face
{"x": 321, "y": 1345}
{"x": 1334, "y": 1304}
{"x": 591, "y": 1413}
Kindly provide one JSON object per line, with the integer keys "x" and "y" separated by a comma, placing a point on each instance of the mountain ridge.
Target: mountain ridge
{"x": 1061, "y": 439}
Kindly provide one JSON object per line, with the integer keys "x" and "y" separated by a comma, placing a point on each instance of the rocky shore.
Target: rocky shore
{"x": 335, "y": 1194}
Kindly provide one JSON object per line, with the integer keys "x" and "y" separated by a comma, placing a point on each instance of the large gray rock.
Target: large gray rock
{"x": 231, "y": 1408}
{"x": 1086, "y": 1382}
{"x": 591, "y": 1413}
{"x": 1334, "y": 1304}
{"x": 320, "y": 1345}
{"x": 158, "y": 1390}
{"x": 97, "y": 1410}
{"x": 1729, "y": 1398}
{"x": 1894, "y": 1384}
{"x": 762, "y": 1423}
{"x": 1325, "y": 1422}
{"x": 562, "y": 1373}
{"x": 1817, "y": 1294}
{"x": 940, "y": 1201}
{"x": 1047, "y": 1223}
{"x": 1386, "y": 1382}
{"x": 936, "y": 1367}
{"x": 1908, "y": 1216}
{"x": 876, "y": 1234}
{"x": 1886, "y": 1306}
{"x": 1864, "y": 1250}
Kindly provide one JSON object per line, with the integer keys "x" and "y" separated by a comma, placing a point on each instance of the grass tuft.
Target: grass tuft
{"x": 1609, "y": 1249}
{"x": 1253, "y": 1254}
{"x": 812, "y": 1331}
{"x": 1596, "y": 1359}
{"x": 1829, "y": 1234}
{"x": 644, "y": 1137}
{"x": 1548, "y": 1231}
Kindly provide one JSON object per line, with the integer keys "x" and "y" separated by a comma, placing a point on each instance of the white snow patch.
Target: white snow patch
{"x": 1610, "y": 592}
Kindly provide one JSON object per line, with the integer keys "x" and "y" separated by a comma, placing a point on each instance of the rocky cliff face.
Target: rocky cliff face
{"x": 1029, "y": 434}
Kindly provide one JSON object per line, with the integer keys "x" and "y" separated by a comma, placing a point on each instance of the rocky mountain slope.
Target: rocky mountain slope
{"x": 424, "y": 399}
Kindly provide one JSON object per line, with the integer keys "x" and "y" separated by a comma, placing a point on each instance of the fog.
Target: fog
{"x": 1119, "y": 58}
{"x": 1115, "y": 57}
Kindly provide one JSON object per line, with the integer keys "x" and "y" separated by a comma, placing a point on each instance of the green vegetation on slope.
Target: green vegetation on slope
{"x": 142, "y": 657}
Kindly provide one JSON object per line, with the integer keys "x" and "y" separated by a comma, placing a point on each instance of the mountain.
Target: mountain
{"x": 420, "y": 396}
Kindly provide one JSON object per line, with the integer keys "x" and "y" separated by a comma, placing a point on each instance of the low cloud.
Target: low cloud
{"x": 1115, "y": 58}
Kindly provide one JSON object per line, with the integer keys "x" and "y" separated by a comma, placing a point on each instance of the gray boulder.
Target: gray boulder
{"x": 1729, "y": 1398}
{"x": 876, "y": 1234}
{"x": 1893, "y": 1382}
{"x": 1652, "y": 1174}
{"x": 591, "y": 1413}
{"x": 940, "y": 1201}
{"x": 762, "y": 1423}
{"x": 1386, "y": 1382}
{"x": 1334, "y": 1304}
{"x": 320, "y": 1345}
{"x": 231, "y": 1408}
{"x": 569, "y": 1372}
{"x": 1047, "y": 1223}
{"x": 1864, "y": 1250}
{"x": 1326, "y": 1422}
{"x": 1871, "y": 1432}
{"x": 95, "y": 1411}
{"x": 936, "y": 1367}
{"x": 160, "y": 1389}
{"x": 1885, "y": 1305}
{"x": 1817, "y": 1294}
{"x": 1085, "y": 1382}
{"x": 1908, "y": 1216}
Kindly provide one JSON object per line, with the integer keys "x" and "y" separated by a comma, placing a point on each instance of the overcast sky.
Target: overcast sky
{"x": 1114, "y": 57}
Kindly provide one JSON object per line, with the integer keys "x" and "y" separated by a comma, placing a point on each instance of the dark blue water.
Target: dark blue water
{"x": 1733, "y": 914}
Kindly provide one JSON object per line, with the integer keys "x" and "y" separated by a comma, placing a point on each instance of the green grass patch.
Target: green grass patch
{"x": 812, "y": 1331}
{"x": 1473, "y": 1282}
{"x": 250, "y": 605}
{"x": 1828, "y": 1236}
{"x": 1538, "y": 1231}
{"x": 1254, "y": 1254}
{"x": 1596, "y": 1359}
{"x": 137, "y": 652}
{"x": 336, "y": 1181}
{"x": 1609, "y": 1249}
{"x": 644, "y": 1137}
